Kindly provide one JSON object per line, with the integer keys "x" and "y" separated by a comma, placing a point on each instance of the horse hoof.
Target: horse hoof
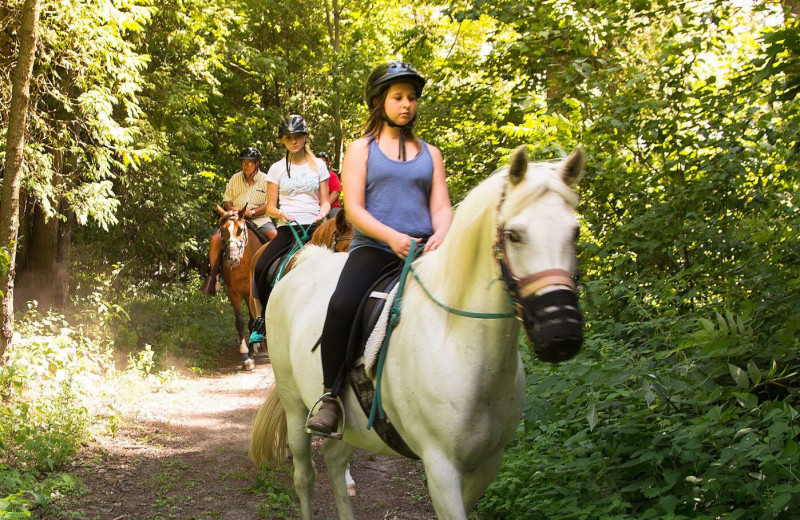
{"x": 248, "y": 364}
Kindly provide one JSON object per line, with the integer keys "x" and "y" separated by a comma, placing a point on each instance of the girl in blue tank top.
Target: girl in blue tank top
{"x": 396, "y": 192}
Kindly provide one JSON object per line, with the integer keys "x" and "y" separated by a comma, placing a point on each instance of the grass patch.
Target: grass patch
{"x": 67, "y": 380}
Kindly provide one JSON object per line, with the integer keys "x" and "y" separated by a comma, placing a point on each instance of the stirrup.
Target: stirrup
{"x": 332, "y": 435}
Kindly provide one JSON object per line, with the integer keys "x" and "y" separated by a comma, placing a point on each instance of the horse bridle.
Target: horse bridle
{"x": 338, "y": 237}
{"x": 240, "y": 244}
{"x": 556, "y": 310}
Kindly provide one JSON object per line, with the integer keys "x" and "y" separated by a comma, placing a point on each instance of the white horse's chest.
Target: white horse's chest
{"x": 451, "y": 392}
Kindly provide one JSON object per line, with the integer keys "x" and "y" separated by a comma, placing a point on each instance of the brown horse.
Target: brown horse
{"x": 240, "y": 246}
{"x": 335, "y": 233}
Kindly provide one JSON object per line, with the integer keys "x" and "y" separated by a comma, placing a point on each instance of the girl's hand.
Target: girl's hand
{"x": 401, "y": 244}
{"x": 287, "y": 218}
{"x": 319, "y": 218}
{"x": 433, "y": 242}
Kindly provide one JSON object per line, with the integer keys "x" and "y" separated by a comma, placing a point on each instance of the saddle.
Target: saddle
{"x": 370, "y": 312}
{"x": 252, "y": 227}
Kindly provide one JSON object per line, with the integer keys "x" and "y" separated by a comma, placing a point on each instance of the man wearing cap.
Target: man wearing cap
{"x": 247, "y": 188}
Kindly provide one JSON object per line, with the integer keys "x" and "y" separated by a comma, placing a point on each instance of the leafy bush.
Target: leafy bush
{"x": 177, "y": 321}
{"x": 694, "y": 428}
{"x": 60, "y": 384}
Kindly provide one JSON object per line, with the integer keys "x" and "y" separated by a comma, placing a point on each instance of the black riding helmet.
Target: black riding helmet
{"x": 293, "y": 124}
{"x": 250, "y": 153}
{"x": 393, "y": 72}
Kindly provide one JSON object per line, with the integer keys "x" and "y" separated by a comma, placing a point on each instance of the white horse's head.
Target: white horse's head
{"x": 535, "y": 247}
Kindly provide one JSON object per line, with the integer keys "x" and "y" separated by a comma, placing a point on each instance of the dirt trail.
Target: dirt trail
{"x": 184, "y": 457}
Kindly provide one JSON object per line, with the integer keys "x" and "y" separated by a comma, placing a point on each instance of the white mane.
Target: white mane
{"x": 475, "y": 223}
{"x": 311, "y": 252}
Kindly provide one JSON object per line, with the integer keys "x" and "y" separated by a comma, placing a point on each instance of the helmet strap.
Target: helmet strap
{"x": 288, "y": 165}
{"x": 401, "y": 150}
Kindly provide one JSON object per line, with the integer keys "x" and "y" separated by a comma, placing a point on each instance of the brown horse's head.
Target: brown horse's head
{"x": 234, "y": 235}
{"x": 334, "y": 234}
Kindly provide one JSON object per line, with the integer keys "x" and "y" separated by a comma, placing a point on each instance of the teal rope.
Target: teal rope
{"x": 394, "y": 318}
{"x": 298, "y": 243}
{"x": 466, "y": 314}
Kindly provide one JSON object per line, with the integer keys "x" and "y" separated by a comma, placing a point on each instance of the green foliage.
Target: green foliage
{"x": 4, "y": 264}
{"x": 659, "y": 431}
{"x": 275, "y": 485}
{"x": 59, "y": 385}
{"x": 176, "y": 322}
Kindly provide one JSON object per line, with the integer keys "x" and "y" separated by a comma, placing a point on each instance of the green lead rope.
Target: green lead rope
{"x": 394, "y": 318}
{"x": 299, "y": 241}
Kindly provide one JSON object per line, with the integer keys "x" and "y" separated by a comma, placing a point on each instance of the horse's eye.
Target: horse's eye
{"x": 513, "y": 236}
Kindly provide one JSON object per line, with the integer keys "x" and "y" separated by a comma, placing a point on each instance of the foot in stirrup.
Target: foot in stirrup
{"x": 259, "y": 331}
{"x": 326, "y": 421}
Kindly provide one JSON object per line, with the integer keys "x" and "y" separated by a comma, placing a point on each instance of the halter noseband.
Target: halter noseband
{"x": 552, "y": 318}
{"x": 240, "y": 244}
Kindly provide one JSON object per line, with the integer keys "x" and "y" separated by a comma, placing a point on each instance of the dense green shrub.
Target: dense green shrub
{"x": 697, "y": 427}
{"x": 61, "y": 383}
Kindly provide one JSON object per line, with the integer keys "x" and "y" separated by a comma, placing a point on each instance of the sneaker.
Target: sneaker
{"x": 248, "y": 364}
{"x": 259, "y": 331}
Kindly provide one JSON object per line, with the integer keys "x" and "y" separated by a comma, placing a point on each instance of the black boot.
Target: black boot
{"x": 210, "y": 285}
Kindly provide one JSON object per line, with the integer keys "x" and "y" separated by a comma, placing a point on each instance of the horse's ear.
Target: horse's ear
{"x": 221, "y": 211}
{"x": 341, "y": 221}
{"x": 518, "y": 165}
{"x": 241, "y": 211}
{"x": 572, "y": 172}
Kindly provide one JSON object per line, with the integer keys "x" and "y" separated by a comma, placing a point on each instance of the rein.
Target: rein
{"x": 299, "y": 241}
{"x": 518, "y": 290}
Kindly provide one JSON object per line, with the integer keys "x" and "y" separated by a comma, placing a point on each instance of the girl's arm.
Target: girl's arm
{"x": 325, "y": 205}
{"x": 272, "y": 203}
{"x": 440, "y": 207}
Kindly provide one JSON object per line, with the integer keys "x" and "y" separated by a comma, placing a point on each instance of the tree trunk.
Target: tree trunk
{"x": 43, "y": 274}
{"x": 17, "y": 116}
{"x": 333, "y": 17}
{"x": 35, "y": 279}
{"x": 63, "y": 254}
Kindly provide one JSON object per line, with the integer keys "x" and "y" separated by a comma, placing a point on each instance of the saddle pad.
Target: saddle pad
{"x": 373, "y": 345}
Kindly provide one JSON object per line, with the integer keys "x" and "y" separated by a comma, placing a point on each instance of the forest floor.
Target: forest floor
{"x": 183, "y": 456}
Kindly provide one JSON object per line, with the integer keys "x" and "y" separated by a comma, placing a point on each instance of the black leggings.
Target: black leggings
{"x": 363, "y": 267}
{"x": 278, "y": 246}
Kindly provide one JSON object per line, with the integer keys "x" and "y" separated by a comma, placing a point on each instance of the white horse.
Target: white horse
{"x": 453, "y": 386}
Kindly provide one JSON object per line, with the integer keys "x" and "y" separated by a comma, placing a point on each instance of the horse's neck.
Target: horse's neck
{"x": 463, "y": 272}
{"x": 253, "y": 243}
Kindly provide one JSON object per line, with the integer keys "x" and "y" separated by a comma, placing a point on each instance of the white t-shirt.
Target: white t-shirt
{"x": 298, "y": 189}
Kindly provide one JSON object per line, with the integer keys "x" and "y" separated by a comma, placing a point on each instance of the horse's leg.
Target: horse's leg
{"x": 476, "y": 482}
{"x": 300, "y": 445}
{"x": 445, "y": 487}
{"x": 351, "y": 484}
{"x": 236, "y": 303}
{"x": 337, "y": 456}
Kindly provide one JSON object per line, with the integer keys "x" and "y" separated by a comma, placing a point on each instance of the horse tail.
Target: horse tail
{"x": 268, "y": 442}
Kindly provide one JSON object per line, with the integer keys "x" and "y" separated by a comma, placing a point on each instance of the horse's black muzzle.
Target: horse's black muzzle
{"x": 554, "y": 325}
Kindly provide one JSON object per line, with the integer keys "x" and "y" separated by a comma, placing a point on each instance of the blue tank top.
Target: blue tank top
{"x": 398, "y": 195}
